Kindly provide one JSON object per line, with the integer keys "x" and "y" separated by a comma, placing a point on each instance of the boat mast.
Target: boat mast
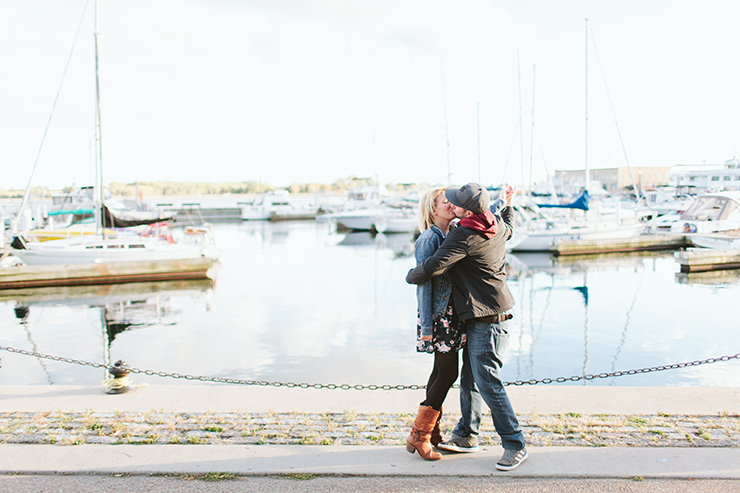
{"x": 98, "y": 186}
{"x": 447, "y": 133}
{"x": 585, "y": 188}
{"x": 521, "y": 134}
{"x": 531, "y": 135}
{"x": 477, "y": 109}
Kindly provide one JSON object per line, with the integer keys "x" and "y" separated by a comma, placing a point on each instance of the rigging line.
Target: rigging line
{"x": 16, "y": 222}
{"x": 536, "y": 335}
{"x": 522, "y": 281}
{"x": 511, "y": 148}
{"x": 35, "y": 349}
{"x": 531, "y": 322}
{"x": 547, "y": 170}
{"x": 627, "y": 323}
{"x": 619, "y": 132}
{"x": 587, "y": 356}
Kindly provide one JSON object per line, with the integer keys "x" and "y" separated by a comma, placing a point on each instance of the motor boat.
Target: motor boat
{"x": 710, "y": 212}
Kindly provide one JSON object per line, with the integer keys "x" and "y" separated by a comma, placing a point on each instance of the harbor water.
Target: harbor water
{"x": 302, "y": 302}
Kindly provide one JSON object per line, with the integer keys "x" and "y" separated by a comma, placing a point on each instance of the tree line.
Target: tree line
{"x": 159, "y": 188}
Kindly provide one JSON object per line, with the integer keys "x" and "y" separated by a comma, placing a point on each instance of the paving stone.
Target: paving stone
{"x": 675, "y": 436}
{"x": 99, "y": 439}
{"x": 28, "y": 438}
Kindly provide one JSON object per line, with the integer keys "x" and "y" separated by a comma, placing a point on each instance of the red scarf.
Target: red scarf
{"x": 485, "y": 222}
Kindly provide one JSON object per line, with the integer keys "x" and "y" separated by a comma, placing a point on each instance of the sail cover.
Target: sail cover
{"x": 580, "y": 203}
{"x": 127, "y": 219}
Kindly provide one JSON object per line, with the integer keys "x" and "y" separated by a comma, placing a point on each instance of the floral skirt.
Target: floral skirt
{"x": 446, "y": 335}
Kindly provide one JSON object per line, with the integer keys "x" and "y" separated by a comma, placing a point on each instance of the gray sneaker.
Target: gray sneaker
{"x": 511, "y": 459}
{"x": 460, "y": 444}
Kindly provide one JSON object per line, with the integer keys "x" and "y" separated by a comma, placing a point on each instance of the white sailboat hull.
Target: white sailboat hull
{"x": 538, "y": 239}
{"x": 397, "y": 222}
{"x": 96, "y": 250}
{"x": 359, "y": 220}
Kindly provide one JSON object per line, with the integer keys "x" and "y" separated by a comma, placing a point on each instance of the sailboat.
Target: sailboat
{"x": 542, "y": 232}
{"x": 104, "y": 246}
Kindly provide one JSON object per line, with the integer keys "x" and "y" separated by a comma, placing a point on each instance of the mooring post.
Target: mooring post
{"x": 119, "y": 383}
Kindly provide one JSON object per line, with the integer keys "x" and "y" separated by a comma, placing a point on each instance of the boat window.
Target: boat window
{"x": 730, "y": 208}
{"x": 94, "y": 247}
{"x": 115, "y": 246}
{"x": 706, "y": 209}
{"x": 136, "y": 245}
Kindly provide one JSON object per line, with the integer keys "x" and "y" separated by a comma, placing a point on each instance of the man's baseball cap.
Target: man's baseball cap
{"x": 472, "y": 197}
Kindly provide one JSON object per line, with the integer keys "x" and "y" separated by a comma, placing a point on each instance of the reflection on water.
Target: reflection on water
{"x": 708, "y": 278}
{"x": 302, "y": 302}
{"x": 121, "y": 307}
{"x": 401, "y": 244}
{"x": 632, "y": 312}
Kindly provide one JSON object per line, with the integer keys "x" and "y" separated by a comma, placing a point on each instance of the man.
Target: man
{"x": 475, "y": 254}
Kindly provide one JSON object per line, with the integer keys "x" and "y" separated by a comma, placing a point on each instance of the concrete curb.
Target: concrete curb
{"x": 543, "y": 462}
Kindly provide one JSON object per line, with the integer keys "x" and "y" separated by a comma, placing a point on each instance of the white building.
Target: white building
{"x": 698, "y": 178}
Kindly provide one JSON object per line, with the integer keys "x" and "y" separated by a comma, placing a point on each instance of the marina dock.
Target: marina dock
{"x": 703, "y": 260}
{"x": 25, "y": 276}
{"x": 636, "y": 244}
{"x": 194, "y": 213}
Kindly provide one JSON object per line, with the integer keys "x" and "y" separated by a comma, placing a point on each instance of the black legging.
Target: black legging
{"x": 440, "y": 381}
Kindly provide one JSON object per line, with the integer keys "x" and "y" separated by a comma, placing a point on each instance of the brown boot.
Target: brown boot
{"x": 436, "y": 437}
{"x": 418, "y": 439}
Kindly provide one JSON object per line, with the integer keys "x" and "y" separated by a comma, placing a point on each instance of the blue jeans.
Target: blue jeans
{"x": 480, "y": 381}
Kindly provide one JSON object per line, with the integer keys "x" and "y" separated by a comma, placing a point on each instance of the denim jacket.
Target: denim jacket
{"x": 431, "y": 296}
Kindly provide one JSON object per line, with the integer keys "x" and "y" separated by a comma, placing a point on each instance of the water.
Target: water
{"x": 300, "y": 302}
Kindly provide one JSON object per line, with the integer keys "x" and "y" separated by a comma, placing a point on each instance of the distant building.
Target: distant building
{"x": 615, "y": 179}
{"x": 698, "y": 178}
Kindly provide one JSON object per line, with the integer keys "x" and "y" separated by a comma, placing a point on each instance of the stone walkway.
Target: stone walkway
{"x": 350, "y": 428}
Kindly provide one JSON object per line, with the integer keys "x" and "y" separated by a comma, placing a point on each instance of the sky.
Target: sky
{"x": 402, "y": 91}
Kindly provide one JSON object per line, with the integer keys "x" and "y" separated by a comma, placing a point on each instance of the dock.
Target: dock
{"x": 98, "y": 294}
{"x": 636, "y": 244}
{"x": 34, "y": 276}
{"x": 704, "y": 260}
{"x": 193, "y": 213}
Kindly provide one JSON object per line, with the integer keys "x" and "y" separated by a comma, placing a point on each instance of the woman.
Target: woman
{"x": 437, "y": 329}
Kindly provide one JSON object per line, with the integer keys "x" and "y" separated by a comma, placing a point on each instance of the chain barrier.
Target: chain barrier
{"x": 345, "y": 386}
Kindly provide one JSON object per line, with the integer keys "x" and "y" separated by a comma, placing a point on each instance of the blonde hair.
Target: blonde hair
{"x": 427, "y": 207}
